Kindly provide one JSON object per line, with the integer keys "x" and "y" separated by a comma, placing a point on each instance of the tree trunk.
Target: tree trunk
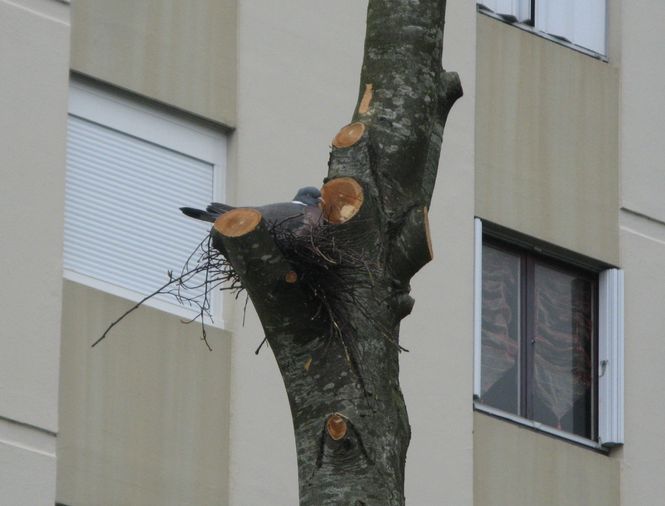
{"x": 338, "y": 352}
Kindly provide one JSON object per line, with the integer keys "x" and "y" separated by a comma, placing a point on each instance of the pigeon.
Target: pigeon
{"x": 299, "y": 215}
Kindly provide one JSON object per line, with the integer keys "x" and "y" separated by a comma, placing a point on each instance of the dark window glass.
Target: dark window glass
{"x": 500, "y": 353}
{"x": 538, "y": 339}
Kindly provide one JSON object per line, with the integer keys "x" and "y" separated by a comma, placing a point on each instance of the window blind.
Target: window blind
{"x": 122, "y": 220}
{"x": 580, "y": 22}
{"x": 521, "y": 9}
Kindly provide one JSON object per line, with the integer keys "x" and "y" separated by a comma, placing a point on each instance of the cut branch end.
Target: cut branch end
{"x": 349, "y": 135}
{"x": 343, "y": 197}
{"x": 336, "y": 427}
{"x": 412, "y": 248}
{"x": 238, "y": 222}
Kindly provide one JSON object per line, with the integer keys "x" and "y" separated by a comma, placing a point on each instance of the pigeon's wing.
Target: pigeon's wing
{"x": 283, "y": 215}
{"x": 313, "y": 215}
{"x": 289, "y": 217}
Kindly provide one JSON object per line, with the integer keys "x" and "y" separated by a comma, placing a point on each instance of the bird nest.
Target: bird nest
{"x": 329, "y": 269}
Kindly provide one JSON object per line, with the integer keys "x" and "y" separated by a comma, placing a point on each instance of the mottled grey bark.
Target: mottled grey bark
{"x": 350, "y": 420}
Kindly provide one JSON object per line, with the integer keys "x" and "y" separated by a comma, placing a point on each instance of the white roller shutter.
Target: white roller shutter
{"x": 611, "y": 358}
{"x": 521, "y": 9}
{"x": 123, "y": 226}
{"x": 582, "y": 22}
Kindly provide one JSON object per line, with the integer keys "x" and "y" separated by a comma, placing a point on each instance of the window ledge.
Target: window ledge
{"x": 544, "y": 35}
{"x": 539, "y": 427}
{"x": 173, "y": 308}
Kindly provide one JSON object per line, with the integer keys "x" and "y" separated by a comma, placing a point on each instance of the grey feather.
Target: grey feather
{"x": 299, "y": 214}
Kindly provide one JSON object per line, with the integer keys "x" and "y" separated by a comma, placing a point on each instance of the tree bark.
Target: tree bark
{"x": 341, "y": 368}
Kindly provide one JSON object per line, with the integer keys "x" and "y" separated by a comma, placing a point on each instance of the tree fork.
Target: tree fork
{"x": 342, "y": 199}
{"x": 342, "y": 376}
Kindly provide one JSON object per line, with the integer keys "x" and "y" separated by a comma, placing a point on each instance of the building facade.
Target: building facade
{"x": 533, "y": 376}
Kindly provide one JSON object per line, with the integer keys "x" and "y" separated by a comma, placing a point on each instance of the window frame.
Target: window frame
{"x": 607, "y": 366}
{"x": 162, "y": 126}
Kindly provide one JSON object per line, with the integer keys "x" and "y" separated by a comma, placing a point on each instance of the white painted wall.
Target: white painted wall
{"x": 34, "y": 65}
{"x": 642, "y": 104}
{"x": 297, "y": 85}
{"x": 642, "y": 221}
{"x": 437, "y": 373}
{"x": 643, "y": 246}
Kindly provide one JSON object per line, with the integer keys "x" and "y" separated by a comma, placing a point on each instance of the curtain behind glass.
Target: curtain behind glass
{"x": 561, "y": 393}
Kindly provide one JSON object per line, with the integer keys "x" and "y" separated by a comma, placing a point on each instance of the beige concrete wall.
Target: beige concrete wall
{"x": 519, "y": 467}
{"x": 34, "y": 54}
{"x": 179, "y": 53}
{"x": 144, "y": 415}
{"x": 546, "y": 140}
{"x": 298, "y": 84}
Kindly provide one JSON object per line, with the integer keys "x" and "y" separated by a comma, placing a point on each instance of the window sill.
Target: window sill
{"x": 539, "y": 427}
{"x": 538, "y": 33}
{"x": 156, "y": 303}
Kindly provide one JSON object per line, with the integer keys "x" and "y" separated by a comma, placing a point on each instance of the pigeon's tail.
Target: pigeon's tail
{"x": 211, "y": 213}
{"x": 199, "y": 214}
{"x": 217, "y": 208}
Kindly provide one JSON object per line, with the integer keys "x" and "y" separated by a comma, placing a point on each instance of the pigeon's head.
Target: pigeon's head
{"x": 309, "y": 196}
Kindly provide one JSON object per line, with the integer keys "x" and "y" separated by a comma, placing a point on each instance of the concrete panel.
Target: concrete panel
{"x": 144, "y": 415}
{"x": 642, "y": 105}
{"x": 34, "y": 55}
{"x": 643, "y": 259}
{"x": 292, "y": 107}
{"x": 519, "y": 467}
{"x": 546, "y": 140}
{"x": 179, "y": 53}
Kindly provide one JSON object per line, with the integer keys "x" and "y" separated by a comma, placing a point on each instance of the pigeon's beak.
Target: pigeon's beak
{"x": 321, "y": 202}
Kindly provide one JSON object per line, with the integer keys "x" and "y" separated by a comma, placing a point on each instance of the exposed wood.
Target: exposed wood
{"x": 342, "y": 199}
{"x": 291, "y": 277}
{"x": 349, "y": 135}
{"x": 336, "y": 427}
{"x": 366, "y": 101}
{"x": 237, "y": 222}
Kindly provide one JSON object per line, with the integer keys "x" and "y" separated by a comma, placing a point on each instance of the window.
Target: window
{"x": 581, "y": 23}
{"x": 130, "y": 166}
{"x": 548, "y": 339}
